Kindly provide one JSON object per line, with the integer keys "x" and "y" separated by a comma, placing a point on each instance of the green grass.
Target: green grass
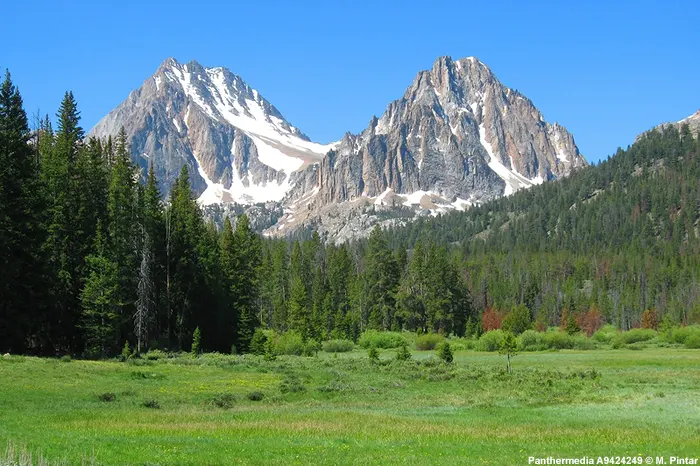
{"x": 342, "y": 409}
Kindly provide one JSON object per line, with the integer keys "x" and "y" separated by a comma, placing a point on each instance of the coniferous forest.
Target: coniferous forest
{"x": 94, "y": 256}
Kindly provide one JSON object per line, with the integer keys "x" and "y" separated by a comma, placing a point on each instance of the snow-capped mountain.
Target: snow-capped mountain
{"x": 457, "y": 137}
{"x": 238, "y": 146}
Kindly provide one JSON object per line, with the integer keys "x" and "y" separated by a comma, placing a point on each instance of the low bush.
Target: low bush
{"x": 338, "y": 346}
{"x": 635, "y": 335}
{"x": 490, "y": 341}
{"x": 458, "y": 347}
{"x": 292, "y": 384}
{"x": 223, "y": 400}
{"x": 311, "y": 347}
{"x": 583, "y": 343}
{"x": 107, "y": 397}
{"x": 531, "y": 340}
{"x": 154, "y": 355}
{"x": 605, "y": 334}
{"x": 384, "y": 340}
{"x": 152, "y": 404}
{"x": 680, "y": 335}
{"x": 66, "y": 358}
{"x": 558, "y": 340}
{"x": 460, "y": 344}
{"x": 693, "y": 341}
{"x": 403, "y": 354}
{"x": 429, "y": 341}
{"x": 290, "y": 343}
{"x": 256, "y": 396}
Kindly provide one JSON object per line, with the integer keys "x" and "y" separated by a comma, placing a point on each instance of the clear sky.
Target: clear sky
{"x": 607, "y": 70}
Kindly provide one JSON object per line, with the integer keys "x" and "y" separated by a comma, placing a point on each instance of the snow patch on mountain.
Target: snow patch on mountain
{"x": 514, "y": 180}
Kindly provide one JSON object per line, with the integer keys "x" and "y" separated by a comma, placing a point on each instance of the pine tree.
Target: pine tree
{"x": 99, "y": 300}
{"x": 122, "y": 230}
{"x": 299, "y": 312}
{"x": 21, "y": 235}
{"x": 185, "y": 279}
{"x": 65, "y": 241}
{"x": 383, "y": 279}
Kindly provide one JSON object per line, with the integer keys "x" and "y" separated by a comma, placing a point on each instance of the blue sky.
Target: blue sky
{"x": 606, "y": 70}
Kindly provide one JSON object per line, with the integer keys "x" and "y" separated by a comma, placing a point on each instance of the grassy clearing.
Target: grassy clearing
{"x": 341, "y": 409}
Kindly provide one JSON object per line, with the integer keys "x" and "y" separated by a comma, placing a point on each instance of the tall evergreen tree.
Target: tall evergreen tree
{"x": 99, "y": 300}
{"x": 21, "y": 235}
{"x": 383, "y": 279}
{"x": 123, "y": 231}
{"x": 245, "y": 280}
{"x": 65, "y": 241}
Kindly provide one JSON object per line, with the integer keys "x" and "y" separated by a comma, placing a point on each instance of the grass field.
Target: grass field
{"x": 345, "y": 410}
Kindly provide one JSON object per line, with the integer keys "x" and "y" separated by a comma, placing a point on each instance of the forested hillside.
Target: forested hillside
{"x": 619, "y": 238}
{"x": 93, "y": 259}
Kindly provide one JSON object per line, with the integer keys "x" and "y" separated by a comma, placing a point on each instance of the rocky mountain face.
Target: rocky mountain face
{"x": 693, "y": 122}
{"x": 457, "y": 137}
{"x": 238, "y": 146}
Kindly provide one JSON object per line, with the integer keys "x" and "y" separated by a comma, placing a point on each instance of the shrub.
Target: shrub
{"x": 256, "y": 396}
{"x": 154, "y": 355}
{"x": 680, "y": 335}
{"x": 558, "y": 340}
{"x": 490, "y": 341}
{"x": 605, "y": 334}
{"x": 384, "y": 340}
{"x": 693, "y": 341}
{"x": 223, "y": 400}
{"x": 403, "y": 354}
{"x": 445, "y": 352}
{"x": 373, "y": 354}
{"x": 531, "y": 340}
{"x": 152, "y": 404}
{"x": 257, "y": 343}
{"x": 107, "y": 397}
{"x": 196, "y": 342}
{"x": 428, "y": 341}
{"x": 338, "y": 346}
{"x": 635, "y": 335}
{"x": 311, "y": 347}
{"x": 66, "y": 358}
{"x": 126, "y": 351}
{"x": 292, "y": 384}
{"x": 583, "y": 343}
{"x": 290, "y": 343}
{"x": 517, "y": 320}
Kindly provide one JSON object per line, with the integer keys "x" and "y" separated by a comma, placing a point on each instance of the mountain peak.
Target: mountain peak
{"x": 238, "y": 146}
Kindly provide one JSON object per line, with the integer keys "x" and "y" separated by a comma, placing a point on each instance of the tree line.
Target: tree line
{"x": 95, "y": 258}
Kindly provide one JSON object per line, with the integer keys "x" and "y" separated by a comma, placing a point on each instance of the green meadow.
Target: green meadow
{"x": 345, "y": 409}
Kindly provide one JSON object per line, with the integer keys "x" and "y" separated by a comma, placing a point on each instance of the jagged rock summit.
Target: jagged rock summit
{"x": 457, "y": 137}
{"x": 237, "y": 145}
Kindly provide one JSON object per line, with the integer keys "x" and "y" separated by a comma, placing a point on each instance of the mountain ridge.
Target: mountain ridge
{"x": 457, "y": 137}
